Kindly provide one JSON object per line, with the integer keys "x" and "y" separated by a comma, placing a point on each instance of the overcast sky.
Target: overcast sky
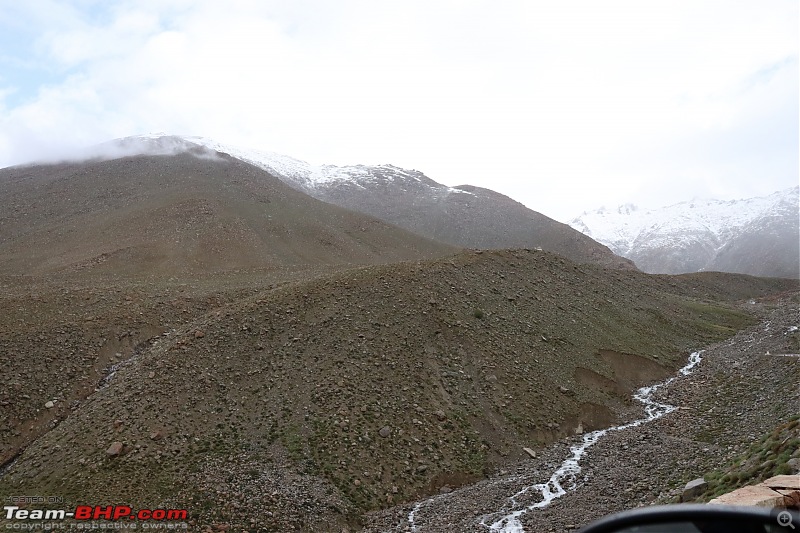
{"x": 563, "y": 105}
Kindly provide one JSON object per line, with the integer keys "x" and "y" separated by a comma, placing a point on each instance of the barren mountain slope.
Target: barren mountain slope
{"x": 464, "y": 216}
{"x": 468, "y": 216}
{"x": 187, "y": 213}
{"x": 740, "y": 390}
{"x": 317, "y": 400}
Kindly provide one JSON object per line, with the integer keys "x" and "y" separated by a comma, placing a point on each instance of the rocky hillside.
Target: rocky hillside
{"x": 776, "y": 453}
{"x": 186, "y": 211}
{"x": 464, "y": 216}
{"x": 306, "y": 403}
{"x": 736, "y": 422}
{"x": 757, "y": 236}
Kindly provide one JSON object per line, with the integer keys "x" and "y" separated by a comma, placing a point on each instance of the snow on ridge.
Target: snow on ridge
{"x": 269, "y": 161}
{"x": 288, "y": 169}
{"x": 151, "y": 135}
{"x": 283, "y": 166}
{"x": 621, "y": 227}
{"x": 310, "y": 176}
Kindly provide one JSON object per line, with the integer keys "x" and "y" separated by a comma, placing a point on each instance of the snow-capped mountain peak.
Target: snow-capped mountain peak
{"x": 653, "y": 238}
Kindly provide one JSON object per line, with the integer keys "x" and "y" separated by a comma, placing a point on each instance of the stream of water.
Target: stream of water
{"x": 564, "y": 479}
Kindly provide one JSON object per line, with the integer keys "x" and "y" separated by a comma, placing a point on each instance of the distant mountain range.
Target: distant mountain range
{"x": 757, "y": 236}
{"x": 463, "y": 216}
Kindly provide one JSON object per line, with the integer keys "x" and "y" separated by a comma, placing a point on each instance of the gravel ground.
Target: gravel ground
{"x": 739, "y": 391}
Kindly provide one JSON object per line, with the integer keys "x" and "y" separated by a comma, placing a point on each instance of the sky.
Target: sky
{"x": 564, "y": 105}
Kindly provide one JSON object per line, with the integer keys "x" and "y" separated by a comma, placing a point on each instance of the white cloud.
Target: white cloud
{"x": 563, "y": 105}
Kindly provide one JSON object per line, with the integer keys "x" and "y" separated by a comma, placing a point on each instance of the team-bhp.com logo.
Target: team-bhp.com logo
{"x": 87, "y": 513}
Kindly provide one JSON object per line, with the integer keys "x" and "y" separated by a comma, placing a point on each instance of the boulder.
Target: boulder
{"x": 115, "y": 449}
{"x": 783, "y": 482}
{"x": 693, "y": 489}
{"x": 754, "y": 495}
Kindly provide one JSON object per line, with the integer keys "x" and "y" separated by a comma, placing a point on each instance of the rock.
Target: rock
{"x": 444, "y": 489}
{"x": 385, "y": 431}
{"x": 115, "y": 449}
{"x": 783, "y": 482}
{"x": 50, "y": 404}
{"x": 440, "y": 415}
{"x": 157, "y": 435}
{"x": 753, "y": 495}
{"x": 529, "y": 452}
{"x": 199, "y": 334}
{"x": 693, "y": 489}
{"x": 788, "y": 487}
{"x": 791, "y": 498}
{"x": 794, "y": 464}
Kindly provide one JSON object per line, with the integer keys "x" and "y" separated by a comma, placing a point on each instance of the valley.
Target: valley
{"x": 335, "y": 394}
{"x": 648, "y": 464}
{"x": 186, "y": 330}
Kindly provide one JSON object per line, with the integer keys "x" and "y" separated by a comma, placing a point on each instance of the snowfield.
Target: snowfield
{"x": 624, "y": 227}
